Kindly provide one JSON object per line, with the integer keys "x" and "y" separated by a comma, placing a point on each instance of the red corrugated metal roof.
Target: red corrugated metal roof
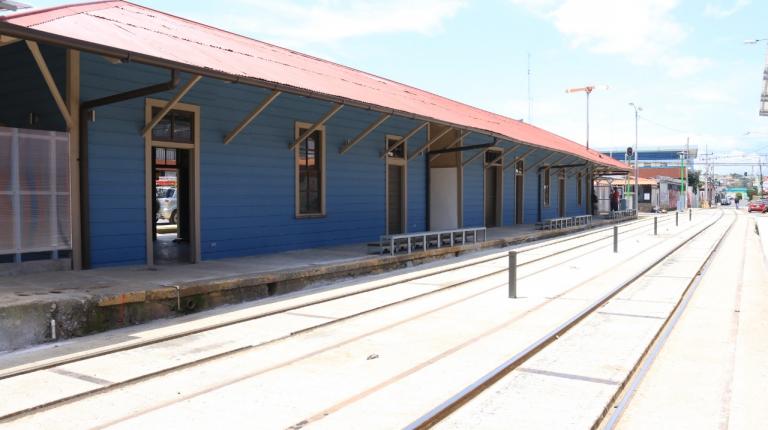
{"x": 133, "y": 28}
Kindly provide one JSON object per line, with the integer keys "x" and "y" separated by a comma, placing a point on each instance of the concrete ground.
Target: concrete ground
{"x": 711, "y": 373}
{"x": 82, "y": 302}
{"x": 355, "y": 362}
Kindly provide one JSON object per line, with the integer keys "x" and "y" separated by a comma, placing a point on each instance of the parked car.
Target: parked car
{"x": 166, "y": 198}
{"x": 725, "y": 201}
{"x": 758, "y": 206}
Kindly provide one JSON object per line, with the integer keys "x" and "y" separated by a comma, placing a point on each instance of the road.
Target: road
{"x": 397, "y": 351}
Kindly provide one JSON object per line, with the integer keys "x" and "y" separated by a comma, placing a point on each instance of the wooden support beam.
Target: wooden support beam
{"x": 35, "y": 50}
{"x": 452, "y": 144}
{"x": 350, "y": 143}
{"x": 542, "y": 161}
{"x": 170, "y": 105}
{"x": 336, "y": 107}
{"x": 404, "y": 139}
{"x": 7, "y": 40}
{"x": 430, "y": 143}
{"x": 476, "y": 156}
{"x": 503, "y": 154}
{"x": 251, "y": 116}
{"x": 520, "y": 158}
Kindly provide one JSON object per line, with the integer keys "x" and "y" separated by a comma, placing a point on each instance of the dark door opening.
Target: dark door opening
{"x": 492, "y": 196}
{"x": 171, "y": 190}
{"x": 561, "y": 195}
{"x": 519, "y": 192}
{"x": 395, "y": 198}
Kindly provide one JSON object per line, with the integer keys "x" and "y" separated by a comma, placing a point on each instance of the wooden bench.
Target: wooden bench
{"x": 393, "y": 243}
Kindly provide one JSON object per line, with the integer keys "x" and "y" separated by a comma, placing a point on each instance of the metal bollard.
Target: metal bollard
{"x": 676, "y": 216}
{"x": 512, "y": 274}
{"x": 690, "y": 214}
{"x": 615, "y": 238}
{"x": 655, "y": 225}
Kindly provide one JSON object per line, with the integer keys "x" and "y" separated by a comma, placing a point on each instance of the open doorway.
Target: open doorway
{"x": 171, "y": 227}
{"x": 172, "y": 156}
{"x": 396, "y": 188}
{"x": 561, "y": 193}
{"x": 493, "y": 187}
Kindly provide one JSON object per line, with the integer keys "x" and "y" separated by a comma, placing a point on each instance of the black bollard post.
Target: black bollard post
{"x": 690, "y": 214}
{"x": 615, "y": 238}
{"x": 655, "y": 225}
{"x": 676, "y": 216}
{"x": 512, "y": 274}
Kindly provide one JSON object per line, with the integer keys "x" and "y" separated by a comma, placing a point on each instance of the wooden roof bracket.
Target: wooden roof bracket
{"x": 430, "y": 143}
{"x": 456, "y": 141}
{"x": 363, "y": 134}
{"x": 38, "y": 56}
{"x": 404, "y": 139}
{"x": 171, "y": 104}
{"x": 251, "y": 116}
{"x": 520, "y": 158}
{"x": 328, "y": 115}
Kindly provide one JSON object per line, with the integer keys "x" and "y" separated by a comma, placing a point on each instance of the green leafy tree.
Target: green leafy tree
{"x": 751, "y": 192}
{"x": 694, "y": 181}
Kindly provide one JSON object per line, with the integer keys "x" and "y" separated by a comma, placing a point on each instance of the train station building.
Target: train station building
{"x": 103, "y": 105}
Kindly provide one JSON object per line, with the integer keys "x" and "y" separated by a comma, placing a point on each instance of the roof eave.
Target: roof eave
{"x": 26, "y": 33}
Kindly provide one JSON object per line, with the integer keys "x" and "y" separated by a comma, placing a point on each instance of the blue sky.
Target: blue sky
{"x": 683, "y": 62}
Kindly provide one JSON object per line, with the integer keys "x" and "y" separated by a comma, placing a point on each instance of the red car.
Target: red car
{"x": 758, "y": 206}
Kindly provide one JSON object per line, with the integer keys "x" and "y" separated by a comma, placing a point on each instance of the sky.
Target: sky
{"x": 684, "y": 62}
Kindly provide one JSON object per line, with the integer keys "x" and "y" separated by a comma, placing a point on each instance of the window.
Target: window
{"x": 547, "y": 186}
{"x": 579, "y": 188}
{"x": 493, "y": 158}
{"x": 519, "y": 168}
{"x": 310, "y": 173}
{"x": 176, "y": 126}
{"x": 395, "y": 152}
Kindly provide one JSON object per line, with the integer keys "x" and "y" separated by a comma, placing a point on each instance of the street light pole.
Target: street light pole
{"x": 588, "y": 89}
{"x": 637, "y": 166}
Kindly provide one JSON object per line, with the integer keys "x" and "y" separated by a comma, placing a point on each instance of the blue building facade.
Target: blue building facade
{"x": 245, "y": 193}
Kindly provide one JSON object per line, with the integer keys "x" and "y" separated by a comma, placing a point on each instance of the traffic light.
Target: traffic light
{"x": 629, "y": 151}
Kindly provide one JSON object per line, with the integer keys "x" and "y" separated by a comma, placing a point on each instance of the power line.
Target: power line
{"x": 658, "y": 124}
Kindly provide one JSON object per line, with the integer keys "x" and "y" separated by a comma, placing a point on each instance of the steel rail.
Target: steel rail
{"x": 643, "y": 365}
{"x": 493, "y": 257}
{"x": 456, "y": 401}
{"x": 58, "y": 402}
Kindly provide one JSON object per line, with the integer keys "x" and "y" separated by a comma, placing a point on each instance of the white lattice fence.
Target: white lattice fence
{"x": 34, "y": 193}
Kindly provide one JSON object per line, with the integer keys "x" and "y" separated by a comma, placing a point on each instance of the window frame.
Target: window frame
{"x": 297, "y": 130}
{"x": 396, "y": 161}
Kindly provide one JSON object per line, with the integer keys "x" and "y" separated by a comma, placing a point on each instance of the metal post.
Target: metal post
{"x": 655, "y": 225}
{"x": 690, "y": 214}
{"x": 676, "y": 216}
{"x": 512, "y": 274}
{"x": 615, "y": 238}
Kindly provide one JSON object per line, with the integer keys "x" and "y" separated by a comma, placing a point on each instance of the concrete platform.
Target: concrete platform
{"x": 84, "y": 302}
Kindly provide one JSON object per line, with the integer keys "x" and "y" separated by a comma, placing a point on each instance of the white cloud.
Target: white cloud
{"x": 719, "y": 11}
{"x": 327, "y": 21}
{"x": 644, "y": 31}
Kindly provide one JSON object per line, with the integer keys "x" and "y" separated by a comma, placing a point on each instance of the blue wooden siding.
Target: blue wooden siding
{"x": 23, "y": 89}
{"x": 473, "y": 184}
{"x": 247, "y": 187}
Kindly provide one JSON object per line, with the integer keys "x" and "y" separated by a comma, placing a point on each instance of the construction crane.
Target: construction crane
{"x": 588, "y": 89}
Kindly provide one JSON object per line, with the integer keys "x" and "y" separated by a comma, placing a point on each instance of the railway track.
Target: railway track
{"x": 483, "y": 384}
{"x": 479, "y": 262}
{"x": 20, "y": 370}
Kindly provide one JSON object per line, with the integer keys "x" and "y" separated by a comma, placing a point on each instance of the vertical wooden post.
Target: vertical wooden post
{"x": 73, "y": 105}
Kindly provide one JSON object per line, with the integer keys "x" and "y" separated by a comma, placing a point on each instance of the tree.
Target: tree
{"x": 751, "y": 192}
{"x": 694, "y": 181}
